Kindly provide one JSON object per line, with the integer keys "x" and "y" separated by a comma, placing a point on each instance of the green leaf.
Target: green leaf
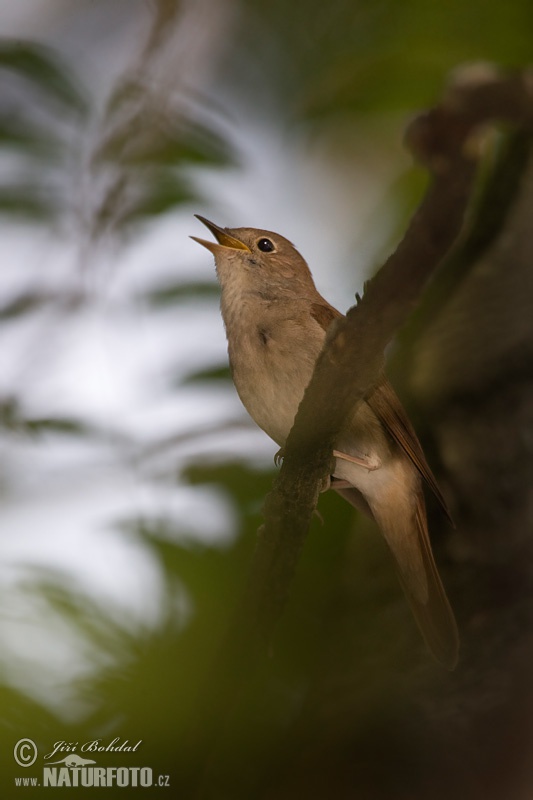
{"x": 243, "y": 483}
{"x": 41, "y": 67}
{"x": 160, "y": 193}
{"x": 142, "y": 132}
{"x": 174, "y": 293}
{"x": 66, "y": 426}
{"x": 191, "y": 143}
{"x": 27, "y": 201}
{"x": 13, "y": 418}
{"x": 217, "y": 374}
{"x": 139, "y": 140}
{"x": 24, "y": 136}
{"x": 23, "y": 304}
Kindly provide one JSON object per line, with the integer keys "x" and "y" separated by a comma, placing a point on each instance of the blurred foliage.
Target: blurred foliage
{"x": 345, "y": 57}
{"x": 73, "y": 166}
{"x": 107, "y": 172}
{"x": 172, "y": 293}
{"x": 212, "y": 374}
{"x": 44, "y": 72}
{"x": 133, "y": 166}
{"x": 15, "y": 420}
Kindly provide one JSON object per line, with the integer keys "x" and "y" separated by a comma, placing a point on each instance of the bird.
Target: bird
{"x": 276, "y": 324}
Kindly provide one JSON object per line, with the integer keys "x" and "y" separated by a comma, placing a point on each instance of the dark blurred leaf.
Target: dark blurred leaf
{"x": 158, "y": 193}
{"x": 23, "y": 304}
{"x": 212, "y": 374}
{"x": 13, "y": 418}
{"x": 62, "y": 425}
{"x": 146, "y": 140}
{"x": 85, "y": 613}
{"x": 367, "y": 56}
{"x": 367, "y": 85}
{"x": 41, "y": 66}
{"x": 141, "y": 132}
{"x": 28, "y": 201}
{"x": 29, "y": 301}
{"x": 127, "y": 93}
{"x": 189, "y": 435}
{"x": 22, "y": 135}
{"x": 140, "y": 193}
{"x": 109, "y": 210}
{"x": 177, "y": 292}
{"x": 194, "y": 145}
{"x": 208, "y": 573}
{"x": 242, "y": 482}
{"x": 9, "y": 412}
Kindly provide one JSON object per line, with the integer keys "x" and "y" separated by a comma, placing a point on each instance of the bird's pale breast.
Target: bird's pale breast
{"x": 269, "y": 379}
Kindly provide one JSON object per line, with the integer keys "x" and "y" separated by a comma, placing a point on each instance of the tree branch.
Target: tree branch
{"x": 445, "y": 140}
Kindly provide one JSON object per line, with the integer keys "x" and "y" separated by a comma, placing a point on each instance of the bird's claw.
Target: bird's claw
{"x": 368, "y": 462}
{"x": 278, "y": 458}
{"x": 324, "y": 484}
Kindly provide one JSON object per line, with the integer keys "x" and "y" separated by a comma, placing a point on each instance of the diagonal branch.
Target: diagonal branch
{"x": 445, "y": 140}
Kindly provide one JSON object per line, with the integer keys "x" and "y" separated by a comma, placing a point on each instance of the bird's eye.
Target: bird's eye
{"x": 265, "y": 245}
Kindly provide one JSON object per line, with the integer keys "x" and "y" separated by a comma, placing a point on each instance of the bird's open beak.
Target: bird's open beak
{"x": 222, "y": 236}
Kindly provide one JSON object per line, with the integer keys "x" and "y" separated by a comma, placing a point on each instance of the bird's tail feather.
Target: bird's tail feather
{"x": 408, "y": 539}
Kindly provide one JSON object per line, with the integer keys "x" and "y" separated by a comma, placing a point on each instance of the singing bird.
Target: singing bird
{"x": 276, "y": 323}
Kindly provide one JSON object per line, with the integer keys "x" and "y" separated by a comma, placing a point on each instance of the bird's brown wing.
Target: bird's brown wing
{"x": 386, "y": 406}
{"x": 324, "y": 314}
{"x": 408, "y": 539}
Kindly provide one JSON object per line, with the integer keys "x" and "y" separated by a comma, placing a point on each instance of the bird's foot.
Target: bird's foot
{"x": 337, "y": 483}
{"x": 324, "y": 484}
{"x": 367, "y": 462}
{"x": 278, "y": 458}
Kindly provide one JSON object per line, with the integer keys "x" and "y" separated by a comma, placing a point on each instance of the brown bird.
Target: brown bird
{"x": 276, "y": 323}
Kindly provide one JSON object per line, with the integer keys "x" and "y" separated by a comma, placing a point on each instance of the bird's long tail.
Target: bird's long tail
{"x": 407, "y": 537}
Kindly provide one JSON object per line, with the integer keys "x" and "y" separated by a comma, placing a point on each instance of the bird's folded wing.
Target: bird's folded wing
{"x": 386, "y": 406}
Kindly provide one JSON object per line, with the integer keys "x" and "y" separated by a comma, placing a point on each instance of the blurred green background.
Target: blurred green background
{"x": 131, "y": 480}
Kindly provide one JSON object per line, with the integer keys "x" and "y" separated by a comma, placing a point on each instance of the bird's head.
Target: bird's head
{"x": 259, "y": 260}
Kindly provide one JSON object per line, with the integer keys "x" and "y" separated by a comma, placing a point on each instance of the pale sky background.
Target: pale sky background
{"x": 110, "y": 363}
